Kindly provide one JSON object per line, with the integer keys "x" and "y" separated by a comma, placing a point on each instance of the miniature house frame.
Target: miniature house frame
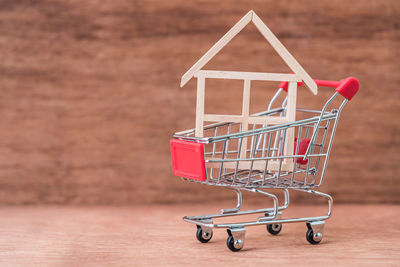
{"x": 298, "y": 75}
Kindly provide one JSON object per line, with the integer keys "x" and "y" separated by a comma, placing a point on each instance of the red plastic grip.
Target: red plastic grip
{"x": 284, "y": 85}
{"x": 326, "y": 83}
{"x": 347, "y": 87}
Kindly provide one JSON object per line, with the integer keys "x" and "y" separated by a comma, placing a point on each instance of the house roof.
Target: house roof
{"x": 251, "y": 16}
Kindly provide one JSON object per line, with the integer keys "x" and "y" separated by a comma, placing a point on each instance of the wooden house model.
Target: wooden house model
{"x": 298, "y": 75}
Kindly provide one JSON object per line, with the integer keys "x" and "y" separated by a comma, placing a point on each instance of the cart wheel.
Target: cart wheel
{"x": 310, "y": 237}
{"x": 230, "y": 242}
{"x": 274, "y": 229}
{"x": 203, "y": 237}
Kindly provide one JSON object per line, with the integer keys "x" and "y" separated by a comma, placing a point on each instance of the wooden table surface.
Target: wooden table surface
{"x": 356, "y": 235}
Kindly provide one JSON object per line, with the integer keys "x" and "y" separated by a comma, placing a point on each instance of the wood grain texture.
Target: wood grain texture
{"x": 356, "y": 235}
{"x": 285, "y": 55}
{"x": 217, "y": 47}
{"x": 252, "y": 76}
{"x": 200, "y": 99}
{"x": 90, "y": 92}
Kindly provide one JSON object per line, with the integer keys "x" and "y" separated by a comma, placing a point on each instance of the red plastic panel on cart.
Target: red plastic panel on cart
{"x": 303, "y": 145}
{"x": 188, "y": 159}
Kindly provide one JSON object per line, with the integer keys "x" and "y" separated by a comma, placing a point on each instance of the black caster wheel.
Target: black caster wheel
{"x": 203, "y": 237}
{"x": 310, "y": 237}
{"x": 274, "y": 229}
{"x": 230, "y": 242}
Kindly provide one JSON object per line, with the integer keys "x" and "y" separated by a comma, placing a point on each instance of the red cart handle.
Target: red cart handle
{"x": 347, "y": 87}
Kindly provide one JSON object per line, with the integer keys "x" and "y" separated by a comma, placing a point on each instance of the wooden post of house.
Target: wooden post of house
{"x": 199, "y": 130}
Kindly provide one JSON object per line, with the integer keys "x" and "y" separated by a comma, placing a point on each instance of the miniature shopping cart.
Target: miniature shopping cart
{"x": 254, "y": 152}
{"x": 216, "y": 160}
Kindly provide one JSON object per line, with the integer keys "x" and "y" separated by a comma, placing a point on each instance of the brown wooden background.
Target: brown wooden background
{"x": 90, "y": 92}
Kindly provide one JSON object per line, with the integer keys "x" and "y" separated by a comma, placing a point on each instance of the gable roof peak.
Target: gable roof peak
{"x": 251, "y": 16}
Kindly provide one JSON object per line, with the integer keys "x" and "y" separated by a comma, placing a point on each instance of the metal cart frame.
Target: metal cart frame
{"x": 225, "y": 167}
